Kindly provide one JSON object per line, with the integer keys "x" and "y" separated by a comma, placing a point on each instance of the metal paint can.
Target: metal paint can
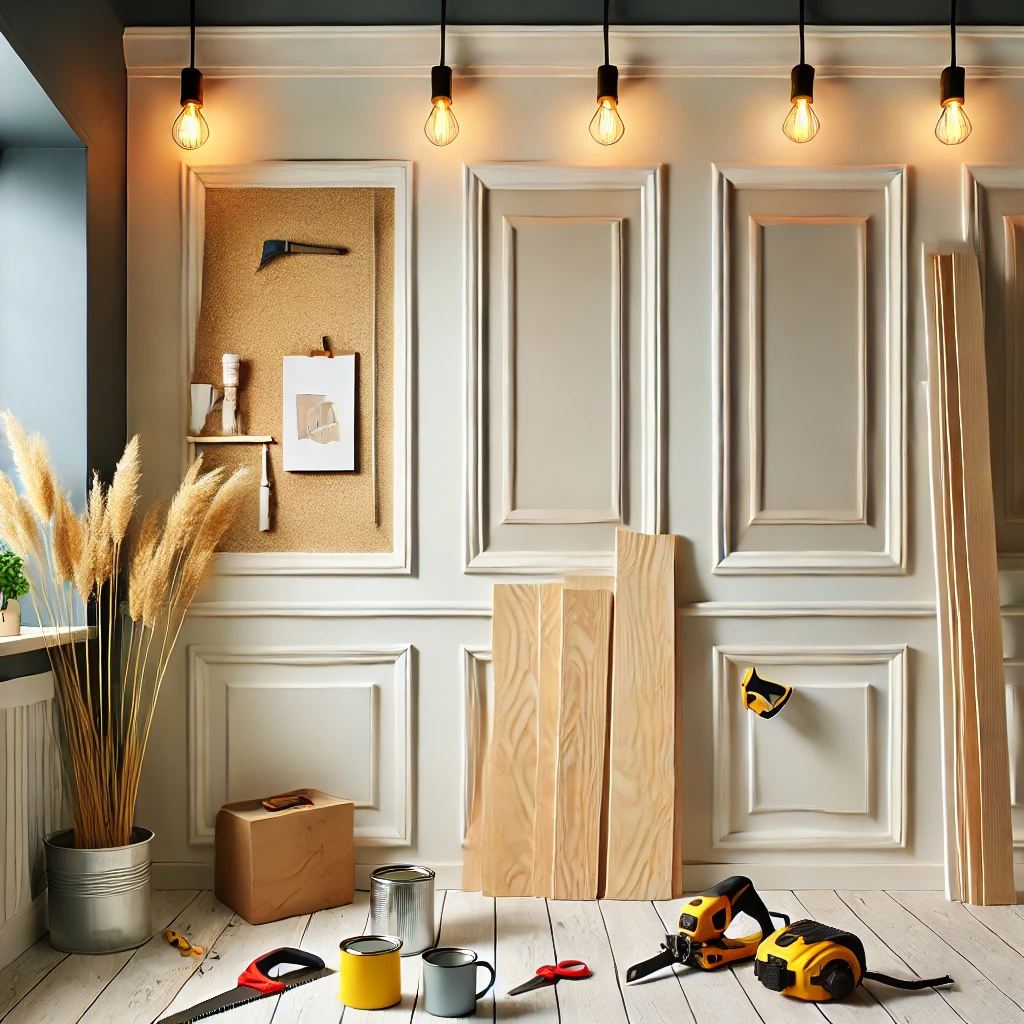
{"x": 370, "y": 972}
{"x": 402, "y": 904}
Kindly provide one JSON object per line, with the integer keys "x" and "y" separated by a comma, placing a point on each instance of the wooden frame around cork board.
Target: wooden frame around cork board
{"x": 322, "y": 522}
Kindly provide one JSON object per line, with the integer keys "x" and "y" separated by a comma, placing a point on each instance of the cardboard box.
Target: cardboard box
{"x": 276, "y": 864}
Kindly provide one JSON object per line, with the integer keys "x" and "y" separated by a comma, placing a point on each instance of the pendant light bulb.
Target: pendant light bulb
{"x": 606, "y": 125}
{"x": 441, "y": 127}
{"x": 190, "y": 130}
{"x": 953, "y": 125}
{"x": 801, "y": 124}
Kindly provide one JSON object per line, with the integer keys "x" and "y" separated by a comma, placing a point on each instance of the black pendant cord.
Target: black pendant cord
{"x": 192, "y": 34}
{"x": 802, "y": 31}
{"x": 952, "y": 33}
{"x": 606, "y": 3}
{"x": 444, "y": 22}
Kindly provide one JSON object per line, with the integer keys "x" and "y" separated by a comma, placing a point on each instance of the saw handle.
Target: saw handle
{"x": 256, "y": 975}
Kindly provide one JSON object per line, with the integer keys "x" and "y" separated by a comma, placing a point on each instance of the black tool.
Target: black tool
{"x": 274, "y": 247}
{"x": 255, "y": 983}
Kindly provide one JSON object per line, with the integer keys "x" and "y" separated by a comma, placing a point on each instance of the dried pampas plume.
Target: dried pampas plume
{"x": 142, "y": 560}
{"x": 32, "y": 460}
{"x": 124, "y": 492}
{"x": 67, "y": 540}
{"x": 10, "y": 516}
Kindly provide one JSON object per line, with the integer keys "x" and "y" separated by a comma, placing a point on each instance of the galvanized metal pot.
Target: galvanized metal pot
{"x": 99, "y": 899}
{"x": 402, "y": 904}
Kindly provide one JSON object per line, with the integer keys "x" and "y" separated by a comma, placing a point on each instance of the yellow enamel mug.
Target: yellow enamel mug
{"x": 370, "y": 974}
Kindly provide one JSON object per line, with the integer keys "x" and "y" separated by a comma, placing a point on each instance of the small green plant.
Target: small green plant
{"x": 12, "y": 580}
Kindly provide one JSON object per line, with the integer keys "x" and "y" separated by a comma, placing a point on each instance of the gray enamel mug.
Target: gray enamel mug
{"x": 449, "y": 981}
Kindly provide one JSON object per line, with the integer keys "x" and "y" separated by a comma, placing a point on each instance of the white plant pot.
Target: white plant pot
{"x": 10, "y": 619}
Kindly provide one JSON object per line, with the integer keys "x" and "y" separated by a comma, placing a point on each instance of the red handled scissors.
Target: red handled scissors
{"x": 573, "y": 970}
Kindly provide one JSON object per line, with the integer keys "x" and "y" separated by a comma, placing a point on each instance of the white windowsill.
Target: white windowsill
{"x": 33, "y": 638}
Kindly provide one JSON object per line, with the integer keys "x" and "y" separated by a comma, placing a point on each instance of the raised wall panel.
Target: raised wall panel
{"x": 809, "y": 329}
{"x": 263, "y": 720}
{"x": 563, "y": 418}
{"x": 1014, "y": 670}
{"x": 477, "y": 719}
{"x": 829, "y": 772}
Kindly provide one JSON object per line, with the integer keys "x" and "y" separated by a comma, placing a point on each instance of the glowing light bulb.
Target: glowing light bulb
{"x": 606, "y": 126}
{"x": 441, "y": 127}
{"x": 802, "y": 124}
{"x": 190, "y": 129}
{"x": 953, "y": 125}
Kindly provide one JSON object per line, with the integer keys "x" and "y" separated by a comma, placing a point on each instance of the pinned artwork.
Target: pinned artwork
{"x": 319, "y": 416}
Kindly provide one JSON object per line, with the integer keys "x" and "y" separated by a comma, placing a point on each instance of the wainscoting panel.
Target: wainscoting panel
{"x": 810, "y": 267}
{"x": 1014, "y": 670}
{"x": 266, "y": 720}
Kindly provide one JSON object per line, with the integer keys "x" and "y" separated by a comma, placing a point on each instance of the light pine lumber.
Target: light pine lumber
{"x": 908, "y": 1007}
{"x": 547, "y": 737}
{"x": 69, "y": 989}
{"x": 636, "y": 932}
{"x": 973, "y": 996}
{"x": 715, "y": 997}
{"x": 582, "y": 727}
{"x": 590, "y": 583}
{"x": 23, "y": 974}
{"x": 643, "y": 772}
{"x": 522, "y": 944}
{"x": 510, "y": 798}
{"x": 237, "y": 946}
{"x": 317, "y": 1002}
{"x": 151, "y": 979}
{"x": 467, "y": 922}
{"x": 578, "y": 931}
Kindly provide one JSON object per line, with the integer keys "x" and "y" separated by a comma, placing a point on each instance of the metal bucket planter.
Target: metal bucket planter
{"x": 99, "y": 899}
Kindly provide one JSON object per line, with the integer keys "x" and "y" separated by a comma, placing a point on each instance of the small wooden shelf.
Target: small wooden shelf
{"x": 230, "y": 439}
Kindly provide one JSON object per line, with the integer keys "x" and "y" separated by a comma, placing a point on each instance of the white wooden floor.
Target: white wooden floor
{"x": 904, "y": 933}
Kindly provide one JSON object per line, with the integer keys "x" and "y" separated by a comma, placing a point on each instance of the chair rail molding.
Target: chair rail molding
{"x": 397, "y": 175}
{"x": 892, "y": 558}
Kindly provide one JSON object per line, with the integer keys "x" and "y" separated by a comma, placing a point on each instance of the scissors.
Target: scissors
{"x": 574, "y": 970}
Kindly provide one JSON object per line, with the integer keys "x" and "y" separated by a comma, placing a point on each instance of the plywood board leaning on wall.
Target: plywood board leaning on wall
{"x": 643, "y": 818}
{"x": 284, "y": 310}
{"x": 550, "y": 681}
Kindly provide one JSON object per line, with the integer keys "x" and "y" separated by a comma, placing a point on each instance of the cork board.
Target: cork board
{"x": 285, "y": 309}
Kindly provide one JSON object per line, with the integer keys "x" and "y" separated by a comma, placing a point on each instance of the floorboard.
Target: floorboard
{"x": 522, "y": 944}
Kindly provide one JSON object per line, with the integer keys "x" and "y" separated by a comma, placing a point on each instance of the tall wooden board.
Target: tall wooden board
{"x": 547, "y": 735}
{"x": 590, "y": 583}
{"x": 506, "y": 861}
{"x": 643, "y": 772}
{"x": 582, "y": 726}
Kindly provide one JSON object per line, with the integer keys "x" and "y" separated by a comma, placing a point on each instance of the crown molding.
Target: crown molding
{"x": 571, "y": 52}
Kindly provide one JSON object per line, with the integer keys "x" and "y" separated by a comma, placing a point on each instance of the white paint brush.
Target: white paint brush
{"x": 265, "y": 495}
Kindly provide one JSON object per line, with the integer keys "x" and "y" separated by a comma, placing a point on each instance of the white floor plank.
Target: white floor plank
{"x": 467, "y": 921}
{"x": 973, "y": 996}
{"x": 910, "y": 1007}
{"x": 1006, "y": 922}
{"x": 72, "y": 986}
{"x": 523, "y": 943}
{"x": 317, "y": 1002}
{"x": 636, "y": 933}
{"x": 1003, "y": 966}
{"x": 579, "y": 934}
{"x": 151, "y": 979}
{"x": 238, "y": 946}
{"x": 20, "y": 976}
{"x": 716, "y": 996}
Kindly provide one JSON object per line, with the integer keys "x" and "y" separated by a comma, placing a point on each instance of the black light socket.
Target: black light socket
{"x": 801, "y": 82}
{"x": 440, "y": 82}
{"x": 951, "y": 84}
{"x": 191, "y": 86}
{"x": 608, "y": 82}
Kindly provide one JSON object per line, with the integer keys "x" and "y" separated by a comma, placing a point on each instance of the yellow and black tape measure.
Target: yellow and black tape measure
{"x": 762, "y": 696}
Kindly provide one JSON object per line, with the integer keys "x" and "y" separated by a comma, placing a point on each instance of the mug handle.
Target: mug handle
{"x": 488, "y": 986}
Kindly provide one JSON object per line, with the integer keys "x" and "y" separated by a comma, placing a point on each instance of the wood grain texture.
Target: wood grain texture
{"x": 20, "y": 976}
{"x": 547, "y": 736}
{"x": 511, "y": 781}
{"x": 522, "y": 943}
{"x": 643, "y": 762}
{"x": 590, "y": 583}
{"x": 582, "y": 727}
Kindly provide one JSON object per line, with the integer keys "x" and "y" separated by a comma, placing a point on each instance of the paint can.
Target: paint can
{"x": 370, "y": 972}
{"x": 402, "y": 904}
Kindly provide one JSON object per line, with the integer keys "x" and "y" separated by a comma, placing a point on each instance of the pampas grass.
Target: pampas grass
{"x": 107, "y": 688}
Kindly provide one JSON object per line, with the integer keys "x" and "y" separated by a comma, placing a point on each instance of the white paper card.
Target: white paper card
{"x": 319, "y": 415}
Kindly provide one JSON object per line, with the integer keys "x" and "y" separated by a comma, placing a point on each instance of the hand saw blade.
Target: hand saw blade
{"x": 240, "y": 995}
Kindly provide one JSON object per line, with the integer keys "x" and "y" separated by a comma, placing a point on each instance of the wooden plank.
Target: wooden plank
{"x": 643, "y": 782}
{"x": 467, "y": 922}
{"x": 151, "y": 979}
{"x": 68, "y": 990}
{"x": 1006, "y": 922}
{"x": 522, "y": 944}
{"x": 547, "y": 737}
{"x": 636, "y": 932}
{"x": 1001, "y": 964}
{"x": 317, "y": 1003}
{"x": 910, "y": 1007}
{"x": 590, "y": 583}
{"x": 238, "y": 945}
{"x": 973, "y": 996}
{"x": 578, "y": 931}
{"x": 582, "y": 729}
{"x": 511, "y": 779}
{"x": 22, "y": 975}
{"x": 715, "y": 997}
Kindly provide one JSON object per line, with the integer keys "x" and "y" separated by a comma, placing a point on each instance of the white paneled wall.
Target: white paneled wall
{"x": 761, "y": 399}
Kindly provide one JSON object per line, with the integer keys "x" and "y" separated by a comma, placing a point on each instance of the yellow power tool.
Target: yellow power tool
{"x": 763, "y": 696}
{"x": 813, "y": 961}
{"x": 703, "y": 920}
